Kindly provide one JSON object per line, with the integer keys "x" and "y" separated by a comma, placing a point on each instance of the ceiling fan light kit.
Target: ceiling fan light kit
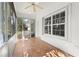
{"x": 34, "y": 6}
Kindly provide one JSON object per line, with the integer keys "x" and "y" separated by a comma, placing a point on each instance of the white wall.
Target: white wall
{"x": 75, "y": 23}
{"x": 71, "y": 44}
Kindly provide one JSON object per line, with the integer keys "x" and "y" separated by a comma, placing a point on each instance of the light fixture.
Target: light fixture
{"x": 34, "y": 6}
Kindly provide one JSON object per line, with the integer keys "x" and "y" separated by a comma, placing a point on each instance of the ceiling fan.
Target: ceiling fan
{"x": 34, "y": 6}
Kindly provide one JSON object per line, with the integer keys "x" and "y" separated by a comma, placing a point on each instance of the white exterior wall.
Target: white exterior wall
{"x": 71, "y": 45}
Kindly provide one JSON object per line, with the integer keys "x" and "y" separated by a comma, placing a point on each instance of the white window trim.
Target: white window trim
{"x": 66, "y": 22}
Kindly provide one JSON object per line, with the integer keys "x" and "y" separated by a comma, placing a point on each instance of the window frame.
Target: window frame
{"x": 66, "y": 22}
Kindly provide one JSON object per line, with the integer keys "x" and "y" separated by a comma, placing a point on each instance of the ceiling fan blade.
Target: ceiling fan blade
{"x": 28, "y": 6}
{"x": 38, "y": 6}
{"x": 34, "y": 9}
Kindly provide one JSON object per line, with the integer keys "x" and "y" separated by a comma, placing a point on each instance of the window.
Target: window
{"x": 56, "y": 23}
{"x": 59, "y": 24}
{"x": 7, "y": 21}
{"x": 47, "y": 25}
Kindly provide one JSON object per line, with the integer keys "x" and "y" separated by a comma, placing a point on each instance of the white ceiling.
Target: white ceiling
{"x": 27, "y": 13}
